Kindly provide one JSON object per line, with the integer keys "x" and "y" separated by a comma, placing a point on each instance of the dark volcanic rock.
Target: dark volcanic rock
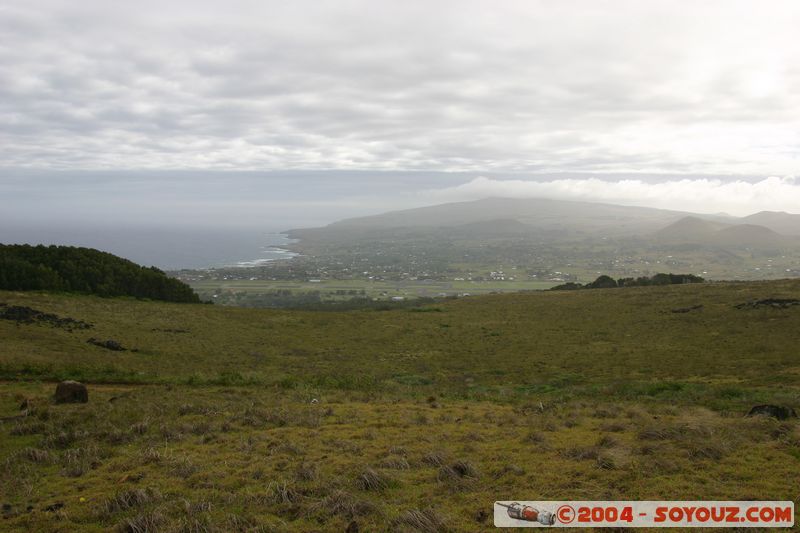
{"x": 109, "y": 344}
{"x": 687, "y": 309}
{"x": 777, "y": 303}
{"x": 27, "y": 315}
{"x": 775, "y": 411}
{"x": 71, "y": 392}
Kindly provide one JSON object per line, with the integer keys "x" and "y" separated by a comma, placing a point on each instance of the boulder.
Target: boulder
{"x": 71, "y": 392}
{"x": 775, "y": 411}
{"x": 109, "y": 344}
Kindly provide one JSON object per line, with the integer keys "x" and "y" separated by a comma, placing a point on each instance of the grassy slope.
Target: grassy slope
{"x": 636, "y": 402}
{"x": 492, "y": 345}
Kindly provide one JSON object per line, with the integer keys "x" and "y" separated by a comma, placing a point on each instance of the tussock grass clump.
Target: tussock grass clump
{"x": 282, "y": 492}
{"x": 457, "y": 476}
{"x": 342, "y": 503}
{"x": 606, "y": 461}
{"x": 193, "y": 508}
{"x": 606, "y": 412}
{"x": 186, "y": 409}
{"x": 200, "y": 428}
{"x": 580, "y": 453}
{"x": 201, "y": 524}
{"x": 473, "y": 436}
{"x": 607, "y": 441}
{"x": 115, "y": 436}
{"x": 371, "y": 480}
{"x": 78, "y": 461}
{"x": 306, "y": 472}
{"x": 613, "y": 427}
{"x": 700, "y": 450}
{"x": 650, "y": 449}
{"x": 697, "y": 440}
{"x": 346, "y": 446}
{"x": 535, "y": 437}
{"x": 27, "y": 428}
{"x": 35, "y": 455}
{"x": 424, "y": 521}
{"x": 140, "y": 428}
{"x": 510, "y": 469}
{"x": 183, "y": 467}
{"x": 661, "y": 432}
{"x": 435, "y": 458}
{"x": 286, "y": 447}
{"x": 259, "y": 417}
{"x": 550, "y": 425}
{"x": 153, "y": 455}
{"x": 170, "y": 433}
{"x": 398, "y": 450}
{"x": 142, "y": 523}
{"x": 464, "y": 469}
{"x": 130, "y": 499}
{"x": 62, "y": 439}
{"x": 236, "y": 523}
{"x": 395, "y": 463}
{"x": 781, "y": 430}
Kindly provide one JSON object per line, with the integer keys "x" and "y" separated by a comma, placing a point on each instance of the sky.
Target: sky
{"x": 281, "y": 114}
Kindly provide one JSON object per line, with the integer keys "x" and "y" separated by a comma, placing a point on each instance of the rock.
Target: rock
{"x": 777, "y": 303}
{"x": 775, "y": 411}
{"x": 26, "y": 315}
{"x": 71, "y": 392}
{"x": 109, "y": 344}
{"x": 687, "y": 309}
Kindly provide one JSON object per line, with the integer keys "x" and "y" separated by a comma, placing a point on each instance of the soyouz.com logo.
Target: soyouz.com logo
{"x": 644, "y": 514}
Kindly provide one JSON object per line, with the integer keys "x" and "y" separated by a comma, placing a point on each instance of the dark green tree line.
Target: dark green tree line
{"x": 71, "y": 269}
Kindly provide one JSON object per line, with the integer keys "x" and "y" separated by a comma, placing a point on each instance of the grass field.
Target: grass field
{"x": 227, "y": 419}
{"x": 342, "y": 289}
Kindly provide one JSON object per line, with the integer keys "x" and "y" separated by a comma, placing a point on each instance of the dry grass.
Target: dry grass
{"x": 424, "y": 521}
{"x": 342, "y": 503}
{"x": 142, "y": 523}
{"x": 203, "y": 420}
{"x": 395, "y": 463}
{"x": 130, "y": 499}
{"x": 372, "y": 480}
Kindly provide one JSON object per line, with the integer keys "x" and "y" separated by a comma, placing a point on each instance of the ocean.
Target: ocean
{"x": 167, "y": 248}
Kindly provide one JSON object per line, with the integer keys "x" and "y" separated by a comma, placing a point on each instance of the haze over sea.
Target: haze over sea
{"x": 200, "y": 219}
{"x": 168, "y": 248}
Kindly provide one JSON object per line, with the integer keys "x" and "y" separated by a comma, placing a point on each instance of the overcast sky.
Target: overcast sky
{"x": 497, "y": 91}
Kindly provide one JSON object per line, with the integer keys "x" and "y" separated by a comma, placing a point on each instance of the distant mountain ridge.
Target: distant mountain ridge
{"x": 694, "y": 230}
{"x": 562, "y": 218}
{"x": 778, "y": 221}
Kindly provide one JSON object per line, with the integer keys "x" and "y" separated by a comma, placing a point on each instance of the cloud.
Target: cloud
{"x": 525, "y": 86}
{"x": 700, "y": 195}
